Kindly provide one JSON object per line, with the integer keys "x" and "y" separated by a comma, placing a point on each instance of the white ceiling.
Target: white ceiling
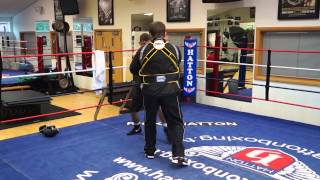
{"x": 9, "y": 8}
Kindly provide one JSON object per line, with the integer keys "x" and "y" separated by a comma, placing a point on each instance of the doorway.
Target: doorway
{"x": 111, "y": 40}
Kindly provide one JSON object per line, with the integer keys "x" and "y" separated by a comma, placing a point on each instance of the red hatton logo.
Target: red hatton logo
{"x": 271, "y": 159}
{"x": 271, "y": 162}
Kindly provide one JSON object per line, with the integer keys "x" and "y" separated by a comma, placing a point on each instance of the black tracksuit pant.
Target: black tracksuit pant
{"x": 172, "y": 112}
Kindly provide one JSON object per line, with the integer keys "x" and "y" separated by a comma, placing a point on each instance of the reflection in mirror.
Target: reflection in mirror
{"x": 139, "y": 25}
{"x": 83, "y": 41}
{"x": 228, "y": 30}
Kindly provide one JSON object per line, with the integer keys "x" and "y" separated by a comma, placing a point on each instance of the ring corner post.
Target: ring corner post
{"x": 110, "y": 58}
{"x": 268, "y": 75}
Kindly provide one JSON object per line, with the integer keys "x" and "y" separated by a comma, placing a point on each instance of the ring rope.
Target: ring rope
{"x": 63, "y": 54}
{"x": 262, "y": 99}
{"x": 9, "y": 47}
{"x": 16, "y": 41}
{"x": 47, "y": 74}
{"x": 133, "y": 84}
{"x": 121, "y": 101}
{"x": 41, "y": 55}
{"x": 57, "y": 113}
{"x": 259, "y": 65}
{"x": 80, "y": 92}
{"x": 26, "y": 49}
{"x": 57, "y": 73}
{"x": 255, "y": 84}
{"x": 272, "y": 50}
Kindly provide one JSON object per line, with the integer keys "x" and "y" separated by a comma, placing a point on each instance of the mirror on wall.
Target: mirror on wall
{"x": 228, "y": 30}
{"x": 139, "y": 25}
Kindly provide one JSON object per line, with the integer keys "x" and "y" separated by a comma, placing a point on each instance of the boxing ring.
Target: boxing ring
{"x": 101, "y": 149}
{"x": 12, "y": 73}
{"x": 220, "y": 143}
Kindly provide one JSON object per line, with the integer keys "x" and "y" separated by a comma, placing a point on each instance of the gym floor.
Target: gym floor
{"x": 73, "y": 101}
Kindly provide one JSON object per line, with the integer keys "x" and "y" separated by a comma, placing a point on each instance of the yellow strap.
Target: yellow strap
{"x": 172, "y": 60}
{"x": 147, "y": 59}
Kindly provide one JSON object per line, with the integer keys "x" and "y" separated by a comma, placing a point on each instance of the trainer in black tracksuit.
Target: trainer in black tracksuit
{"x": 159, "y": 71}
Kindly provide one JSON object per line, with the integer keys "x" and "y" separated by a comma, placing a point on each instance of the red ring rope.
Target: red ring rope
{"x": 41, "y": 55}
{"x": 62, "y": 54}
{"x": 117, "y": 102}
{"x": 272, "y": 50}
{"x": 121, "y": 101}
{"x": 57, "y": 113}
{"x": 261, "y": 99}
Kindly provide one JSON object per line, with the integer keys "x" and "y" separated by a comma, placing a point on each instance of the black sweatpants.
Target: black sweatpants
{"x": 137, "y": 99}
{"x": 172, "y": 112}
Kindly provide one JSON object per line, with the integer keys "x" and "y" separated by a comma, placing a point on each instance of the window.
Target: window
{"x": 293, "y": 41}
{"x": 303, "y": 39}
{"x": 5, "y": 27}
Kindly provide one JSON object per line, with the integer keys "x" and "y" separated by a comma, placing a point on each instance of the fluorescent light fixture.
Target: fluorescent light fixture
{"x": 148, "y": 14}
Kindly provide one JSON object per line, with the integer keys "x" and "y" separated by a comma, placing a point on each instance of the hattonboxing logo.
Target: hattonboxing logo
{"x": 271, "y": 162}
{"x": 159, "y": 44}
{"x": 190, "y": 45}
{"x": 190, "y": 67}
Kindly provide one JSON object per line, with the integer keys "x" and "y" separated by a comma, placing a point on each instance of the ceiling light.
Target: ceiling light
{"x": 148, "y": 14}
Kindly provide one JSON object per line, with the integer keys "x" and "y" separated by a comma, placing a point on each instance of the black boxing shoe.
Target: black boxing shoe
{"x": 135, "y": 130}
{"x": 180, "y": 161}
{"x": 149, "y": 154}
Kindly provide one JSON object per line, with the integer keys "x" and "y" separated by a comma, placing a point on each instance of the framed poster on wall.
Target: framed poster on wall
{"x": 298, "y": 9}
{"x": 178, "y": 10}
{"x": 105, "y": 12}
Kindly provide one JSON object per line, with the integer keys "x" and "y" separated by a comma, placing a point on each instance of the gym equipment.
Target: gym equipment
{"x": 69, "y": 7}
{"x": 87, "y": 47}
{"x": 65, "y": 82}
{"x": 48, "y": 131}
{"x": 18, "y": 104}
{"x": 60, "y": 26}
{"x": 236, "y": 34}
{"x": 40, "y": 51}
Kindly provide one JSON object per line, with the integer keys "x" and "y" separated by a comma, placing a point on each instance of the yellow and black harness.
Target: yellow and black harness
{"x": 171, "y": 77}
